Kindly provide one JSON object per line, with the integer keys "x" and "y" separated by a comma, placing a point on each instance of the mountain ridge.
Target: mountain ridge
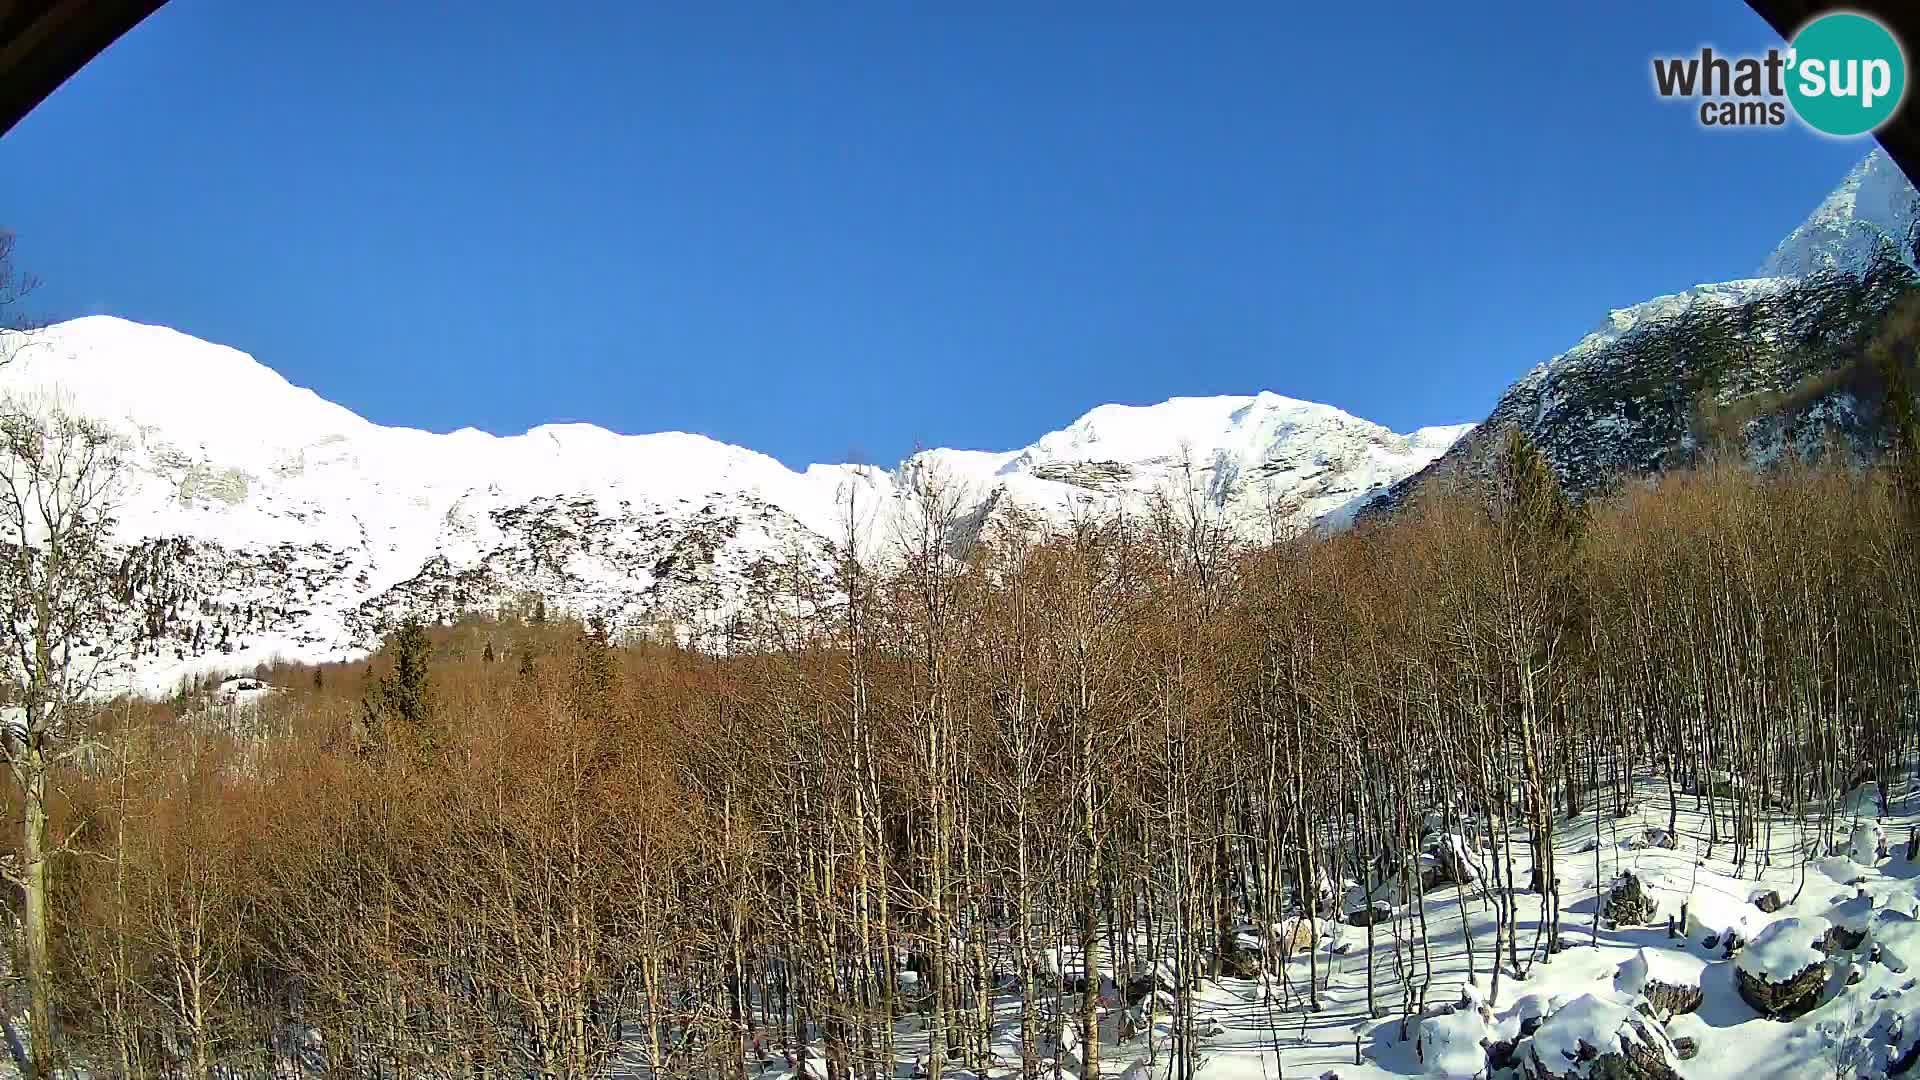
{"x": 1768, "y": 364}
{"x": 270, "y": 523}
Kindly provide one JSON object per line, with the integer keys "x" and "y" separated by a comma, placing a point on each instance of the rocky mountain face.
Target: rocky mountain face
{"x": 260, "y": 521}
{"x": 1758, "y": 368}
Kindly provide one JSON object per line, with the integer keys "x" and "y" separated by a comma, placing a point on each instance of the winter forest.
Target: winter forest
{"x": 1498, "y": 785}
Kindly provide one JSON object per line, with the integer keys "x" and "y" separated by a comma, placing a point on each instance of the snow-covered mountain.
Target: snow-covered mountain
{"x": 262, "y": 520}
{"x": 1872, "y": 213}
{"x": 1765, "y": 365}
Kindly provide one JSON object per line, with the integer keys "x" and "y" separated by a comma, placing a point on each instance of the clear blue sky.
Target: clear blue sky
{"x": 834, "y": 232}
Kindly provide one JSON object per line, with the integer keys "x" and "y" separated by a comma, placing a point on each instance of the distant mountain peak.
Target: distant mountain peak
{"x": 1874, "y": 210}
{"x": 1756, "y": 363}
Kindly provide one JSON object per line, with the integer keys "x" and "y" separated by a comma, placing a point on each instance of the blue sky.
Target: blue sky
{"x": 840, "y": 231}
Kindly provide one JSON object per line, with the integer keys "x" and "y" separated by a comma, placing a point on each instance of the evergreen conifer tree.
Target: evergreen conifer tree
{"x": 398, "y": 709}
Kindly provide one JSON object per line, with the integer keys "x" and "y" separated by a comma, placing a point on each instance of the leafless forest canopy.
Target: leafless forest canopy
{"x": 514, "y": 846}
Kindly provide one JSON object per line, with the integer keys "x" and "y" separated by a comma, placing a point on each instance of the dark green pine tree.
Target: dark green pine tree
{"x": 593, "y": 673}
{"x": 408, "y": 693}
{"x": 1541, "y": 611}
{"x": 1535, "y": 508}
{"x": 398, "y": 712}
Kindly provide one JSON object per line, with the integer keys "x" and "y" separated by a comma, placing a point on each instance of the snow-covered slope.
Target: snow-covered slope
{"x": 1872, "y": 212}
{"x": 263, "y": 520}
{"x": 1761, "y": 363}
{"x": 1243, "y": 454}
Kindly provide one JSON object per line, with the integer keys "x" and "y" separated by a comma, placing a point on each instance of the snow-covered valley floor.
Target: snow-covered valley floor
{"x": 1867, "y": 1019}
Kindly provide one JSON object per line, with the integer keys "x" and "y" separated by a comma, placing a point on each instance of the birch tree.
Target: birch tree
{"x": 59, "y": 480}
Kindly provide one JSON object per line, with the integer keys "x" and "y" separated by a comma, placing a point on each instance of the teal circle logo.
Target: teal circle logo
{"x": 1847, "y": 74}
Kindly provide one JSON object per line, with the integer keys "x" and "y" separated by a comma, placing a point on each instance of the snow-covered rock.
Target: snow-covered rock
{"x": 1783, "y": 969}
{"x": 1866, "y": 843}
{"x": 1851, "y": 920}
{"x": 1895, "y": 936}
{"x": 1650, "y": 838}
{"x": 1668, "y": 978}
{"x": 1601, "y": 1035}
{"x": 1530, "y": 1011}
{"x": 1453, "y": 1045}
{"x": 1447, "y": 859}
{"x": 1630, "y": 903}
{"x": 239, "y": 690}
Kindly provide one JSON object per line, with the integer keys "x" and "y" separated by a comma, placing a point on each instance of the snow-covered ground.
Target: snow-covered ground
{"x": 1867, "y": 1019}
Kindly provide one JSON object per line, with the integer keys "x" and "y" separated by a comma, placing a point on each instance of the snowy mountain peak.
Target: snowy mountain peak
{"x": 1654, "y": 383}
{"x": 1202, "y": 429}
{"x": 1150, "y": 431}
{"x": 158, "y": 381}
{"x": 1874, "y": 209}
{"x": 267, "y": 521}
{"x": 1438, "y": 437}
{"x": 1244, "y": 454}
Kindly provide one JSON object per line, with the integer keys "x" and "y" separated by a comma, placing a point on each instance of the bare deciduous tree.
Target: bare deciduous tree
{"x": 59, "y": 477}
